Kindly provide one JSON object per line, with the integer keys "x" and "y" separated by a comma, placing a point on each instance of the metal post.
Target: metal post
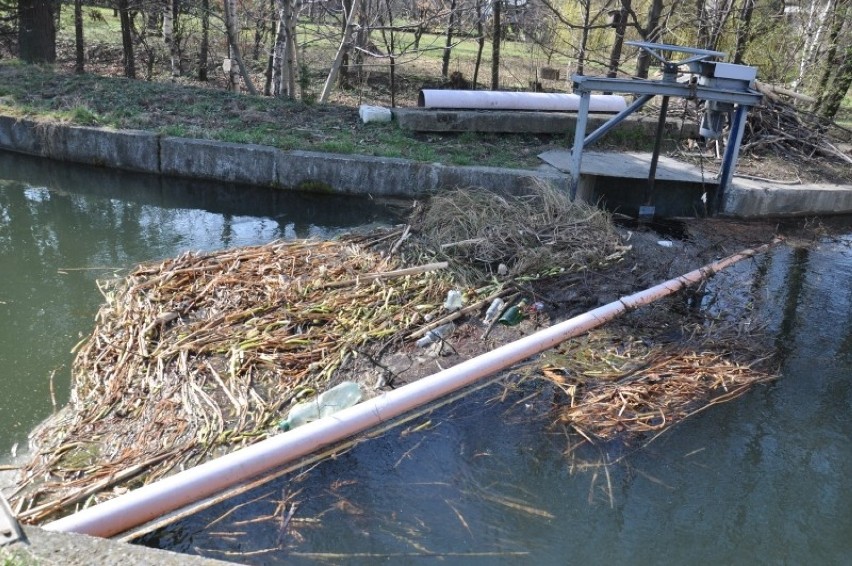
{"x": 732, "y": 151}
{"x": 655, "y": 157}
{"x": 579, "y": 137}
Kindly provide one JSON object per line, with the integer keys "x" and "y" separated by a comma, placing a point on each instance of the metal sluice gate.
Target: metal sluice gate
{"x": 724, "y": 88}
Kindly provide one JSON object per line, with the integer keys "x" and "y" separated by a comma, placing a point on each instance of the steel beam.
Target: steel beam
{"x": 664, "y": 88}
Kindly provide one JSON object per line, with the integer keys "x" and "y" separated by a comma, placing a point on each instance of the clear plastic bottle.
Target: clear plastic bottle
{"x": 494, "y": 309}
{"x": 454, "y": 301}
{"x": 337, "y": 398}
{"x": 436, "y": 334}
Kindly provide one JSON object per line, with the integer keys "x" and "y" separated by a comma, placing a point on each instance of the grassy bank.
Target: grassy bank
{"x": 48, "y": 93}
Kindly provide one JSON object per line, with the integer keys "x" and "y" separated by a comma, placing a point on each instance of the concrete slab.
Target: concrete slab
{"x": 625, "y": 165}
{"x": 680, "y": 185}
{"x": 526, "y": 122}
{"x": 66, "y": 549}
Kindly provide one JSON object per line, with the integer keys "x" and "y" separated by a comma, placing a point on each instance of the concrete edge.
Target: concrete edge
{"x": 746, "y": 199}
{"x": 69, "y": 549}
{"x": 257, "y": 165}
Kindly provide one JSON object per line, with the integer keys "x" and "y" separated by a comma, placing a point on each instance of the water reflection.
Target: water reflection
{"x": 64, "y": 226}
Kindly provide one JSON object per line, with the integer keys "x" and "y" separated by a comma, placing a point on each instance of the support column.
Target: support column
{"x": 732, "y": 151}
{"x": 579, "y": 141}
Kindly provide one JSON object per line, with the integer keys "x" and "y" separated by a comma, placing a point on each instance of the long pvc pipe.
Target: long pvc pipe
{"x": 156, "y": 499}
{"x": 505, "y": 100}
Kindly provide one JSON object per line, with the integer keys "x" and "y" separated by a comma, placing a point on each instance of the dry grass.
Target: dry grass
{"x": 540, "y": 233}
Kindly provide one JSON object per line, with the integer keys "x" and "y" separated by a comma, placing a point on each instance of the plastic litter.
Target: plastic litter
{"x": 454, "y": 301}
{"x": 494, "y": 309}
{"x": 374, "y": 114}
{"x": 436, "y": 334}
{"x": 337, "y": 398}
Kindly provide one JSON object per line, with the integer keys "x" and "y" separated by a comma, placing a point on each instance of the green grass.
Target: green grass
{"x": 16, "y": 557}
{"x": 45, "y": 93}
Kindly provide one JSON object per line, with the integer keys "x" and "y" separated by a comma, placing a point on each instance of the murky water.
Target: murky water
{"x": 763, "y": 479}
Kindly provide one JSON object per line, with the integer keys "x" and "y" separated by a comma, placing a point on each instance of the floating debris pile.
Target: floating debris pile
{"x": 205, "y": 350}
{"x": 202, "y": 354}
{"x": 625, "y": 382}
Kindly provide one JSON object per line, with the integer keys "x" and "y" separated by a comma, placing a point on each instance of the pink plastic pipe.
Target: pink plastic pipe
{"x": 156, "y": 499}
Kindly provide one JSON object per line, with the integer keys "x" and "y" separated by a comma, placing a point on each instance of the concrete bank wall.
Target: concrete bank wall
{"x": 750, "y": 199}
{"x": 351, "y": 174}
{"x": 254, "y": 164}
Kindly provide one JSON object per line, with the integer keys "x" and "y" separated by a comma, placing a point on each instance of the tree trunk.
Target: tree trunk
{"x": 233, "y": 42}
{"x": 812, "y": 35}
{"x": 703, "y": 39}
{"x": 36, "y": 31}
{"x": 830, "y": 100}
{"x": 280, "y": 45}
{"x": 170, "y": 34}
{"x": 584, "y": 36}
{"x": 445, "y": 62}
{"x": 205, "y": 40}
{"x": 345, "y": 43}
{"x": 129, "y": 59}
{"x": 652, "y": 33}
{"x": 349, "y": 7}
{"x": 389, "y": 38}
{"x": 839, "y": 14}
{"x": 621, "y": 27}
{"x": 80, "y": 51}
{"x": 743, "y": 31}
{"x": 480, "y": 41}
{"x": 495, "y": 47}
{"x": 290, "y": 48}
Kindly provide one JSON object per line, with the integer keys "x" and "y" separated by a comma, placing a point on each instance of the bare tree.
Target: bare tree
{"x": 36, "y": 31}
{"x": 205, "y": 40}
{"x": 836, "y": 78}
{"x": 230, "y": 13}
{"x": 495, "y": 46}
{"x": 445, "y": 60}
{"x": 618, "y": 43}
{"x": 743, "y": 30}
{"x": 651, "y": 32}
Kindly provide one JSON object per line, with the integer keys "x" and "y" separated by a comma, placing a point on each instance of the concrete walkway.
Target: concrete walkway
{"x": 748, "y": 198}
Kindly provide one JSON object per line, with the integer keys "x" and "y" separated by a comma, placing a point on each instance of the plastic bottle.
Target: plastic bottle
{"x": 495, "y": 307}
{"x": 436, "y": 334}
{"x": 337, "y": 398}
{"x": 454, "y": 301}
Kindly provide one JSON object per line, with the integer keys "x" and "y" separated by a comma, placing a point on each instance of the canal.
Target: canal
{"x": 758, "y": 480}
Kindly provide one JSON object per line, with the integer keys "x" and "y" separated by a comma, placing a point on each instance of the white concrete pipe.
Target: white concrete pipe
{"x": 157, "y": 499}
{"x": 504, "y": 100}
